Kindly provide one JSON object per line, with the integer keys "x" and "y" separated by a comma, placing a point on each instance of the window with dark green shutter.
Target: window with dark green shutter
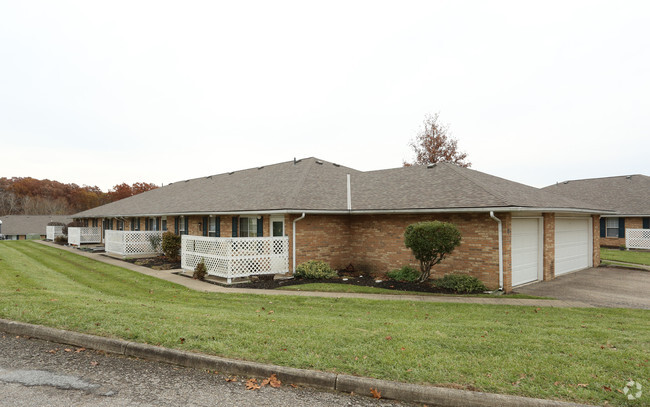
{"x": 260, "y": 227}
{"x": 205, "y": 226}
{"x": 176, "y": 221}
{"x": 621, "y": 227}
{"x": 234, "y": 226}
{"x": 602, "y": 227}
{"x": 646, "y": 223}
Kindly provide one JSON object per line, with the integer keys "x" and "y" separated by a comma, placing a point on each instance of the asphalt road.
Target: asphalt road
{"x": 39, "y": 373}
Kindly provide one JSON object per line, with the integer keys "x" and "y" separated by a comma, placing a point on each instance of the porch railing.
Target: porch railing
{"x": 637, "y": 238}
{"x": 132, "y": 243}
{"x": 231, "y": 257}
{"x": 51, "y": 232}
{"x": 79, "y": 235}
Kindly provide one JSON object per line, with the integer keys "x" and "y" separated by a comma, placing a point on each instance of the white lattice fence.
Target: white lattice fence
{"x": 637, "y": 238}
{"x": 229, "y": 257}
{"x": 51, "y": 232}
{"x": 79, "y": 235}
{"x": 128, "y": 243}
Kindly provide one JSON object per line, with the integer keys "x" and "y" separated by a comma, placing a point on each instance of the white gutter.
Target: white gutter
{"x": 294, "y": 242}
{"x": 500, "y": 250}
{"x": 370, "y": 212}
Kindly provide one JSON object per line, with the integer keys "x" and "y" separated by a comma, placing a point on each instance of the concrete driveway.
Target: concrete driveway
{"x": 601, "y": 287}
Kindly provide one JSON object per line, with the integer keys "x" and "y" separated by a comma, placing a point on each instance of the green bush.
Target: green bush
{"x": 171, "y": 245}
{"x": 315, "y": 269}
{"x": 61, "y": 239}
{"x": 460, "y": 283}
{"x": 200, "y": 271}
{"x": 406, "y": 273}
{"x": 430, "y": 242}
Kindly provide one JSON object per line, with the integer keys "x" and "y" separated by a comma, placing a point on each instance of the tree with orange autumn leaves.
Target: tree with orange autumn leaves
{"x": 30, "y": 196}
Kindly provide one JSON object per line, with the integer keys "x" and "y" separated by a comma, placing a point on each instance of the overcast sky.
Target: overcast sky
{"x": 105, "y": 92}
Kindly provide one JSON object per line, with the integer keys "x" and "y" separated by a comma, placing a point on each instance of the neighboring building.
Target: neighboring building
{"x": 21, "y": 227}
{"x": 345, "y": 216}
{"x": 628, "y": 196}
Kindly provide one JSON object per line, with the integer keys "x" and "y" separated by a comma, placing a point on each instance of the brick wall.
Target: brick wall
{"x": 597, "y": 239}
{"x": 549, "y": 246}
{"x": 375, "y": 243}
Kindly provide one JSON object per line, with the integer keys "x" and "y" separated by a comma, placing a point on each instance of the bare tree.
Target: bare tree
{"x": 434, "y": 144}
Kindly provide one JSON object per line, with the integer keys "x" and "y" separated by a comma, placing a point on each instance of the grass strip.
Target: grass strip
{"x": 581, "y": 355}
{"x": 625, "y": 256}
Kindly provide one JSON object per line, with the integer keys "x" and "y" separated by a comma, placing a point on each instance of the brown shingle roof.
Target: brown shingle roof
{"x": 627, "y": 195}
{"x": 315, "y": 185}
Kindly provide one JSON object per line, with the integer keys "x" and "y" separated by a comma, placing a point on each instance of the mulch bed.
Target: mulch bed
{"x": 361, "y": 280}
{"x": 264, "y": 282}
{"x": 156, "y": 263}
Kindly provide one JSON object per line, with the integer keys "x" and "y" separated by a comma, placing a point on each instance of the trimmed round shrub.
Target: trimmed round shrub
{"x": 460, "y": 283}
{"x": 315, "y": 269}
{"x": 430, "y": 242}
{"x": 406, "y": 273}
{"x": 171, "y": 245}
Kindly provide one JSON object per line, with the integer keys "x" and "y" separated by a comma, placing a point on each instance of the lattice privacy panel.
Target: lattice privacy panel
{"x": 236, "y": 257}
{"x": 79, "y": 235}
{"x": 51, "y": 232}
{"x": 128, "y": 243}
{"x": 637, "y": 238}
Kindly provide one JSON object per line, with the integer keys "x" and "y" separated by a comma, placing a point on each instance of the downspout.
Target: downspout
{"x": 500, "y": 249}
{"x": 294, "y": 242}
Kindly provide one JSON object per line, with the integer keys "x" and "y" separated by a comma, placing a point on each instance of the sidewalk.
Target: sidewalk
{"x": 168, "y": 275}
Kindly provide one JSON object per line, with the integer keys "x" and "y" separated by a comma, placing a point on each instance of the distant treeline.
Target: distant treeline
{"x": 30, "y": 196}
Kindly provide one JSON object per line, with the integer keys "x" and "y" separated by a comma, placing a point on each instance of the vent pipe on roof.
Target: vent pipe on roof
{"x": 349, "y": 195}
{"x": 500, "y": 250}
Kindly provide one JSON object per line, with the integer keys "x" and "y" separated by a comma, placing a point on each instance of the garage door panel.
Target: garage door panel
{"x": 572, "y": 245}
{"x": 525, "y": 251}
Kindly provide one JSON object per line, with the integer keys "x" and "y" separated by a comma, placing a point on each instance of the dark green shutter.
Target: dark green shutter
{"x": 602, "y": 227}
{"x": 111, "y": 228}
{"x": 176, "y": 225}
{"x": 187, "y": 225}
{"x": 646, "y": 223}
{"x": 621, "y": 227}
{"x": 206, "y": 226}
{"x": 157, "y": 223}
{"x": 234, "y": 226}
{"x": 218, "y": 228}
{"x": 260, "y": 227}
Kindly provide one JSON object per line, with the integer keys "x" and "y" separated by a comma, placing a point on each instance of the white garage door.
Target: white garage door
{"x": 525, "y": 251}
{"x": 572, "y": 245}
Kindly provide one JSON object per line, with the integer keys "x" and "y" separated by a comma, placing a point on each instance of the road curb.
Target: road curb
{"x": 413, "y": 393}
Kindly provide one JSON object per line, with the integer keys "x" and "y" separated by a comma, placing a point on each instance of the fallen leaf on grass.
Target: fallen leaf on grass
{"x": 607, "y": 388}
{"x": 80, "y": 350}
{"x": 231, "y": 379}
{"x": 293, "y": 385}
{"x": 375, "y": 393}
{"x": 388, "y": 338}
{"x": 251, "y": 384}
{"x": 582, "y": 385}
{"x": 67, "y": 350}
{"x": 94, "y": 363}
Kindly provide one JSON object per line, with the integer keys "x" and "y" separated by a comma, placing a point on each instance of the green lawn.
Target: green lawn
{"x": 581, "y": 355}
{"x": 349, "y": 288}
{"x": 627, "y": 256}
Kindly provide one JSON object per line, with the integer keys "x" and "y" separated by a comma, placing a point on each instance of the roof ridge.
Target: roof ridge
{"x": 598, "y": 178}
{"x": 290, "y": 202}
{"x": 460, "y": 172}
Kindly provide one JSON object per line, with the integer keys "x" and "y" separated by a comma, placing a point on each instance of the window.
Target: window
{"x": 164, "y": 224}
{"x": 120, "y": 225}
{"x": 214, "y": 226}
{"x": 182, "y": 227}
{"x": 94, "y": 223}
{"x": 247, "y": 227}
{"x": 612, "y": 227}
{"x": 135, "y": 224}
